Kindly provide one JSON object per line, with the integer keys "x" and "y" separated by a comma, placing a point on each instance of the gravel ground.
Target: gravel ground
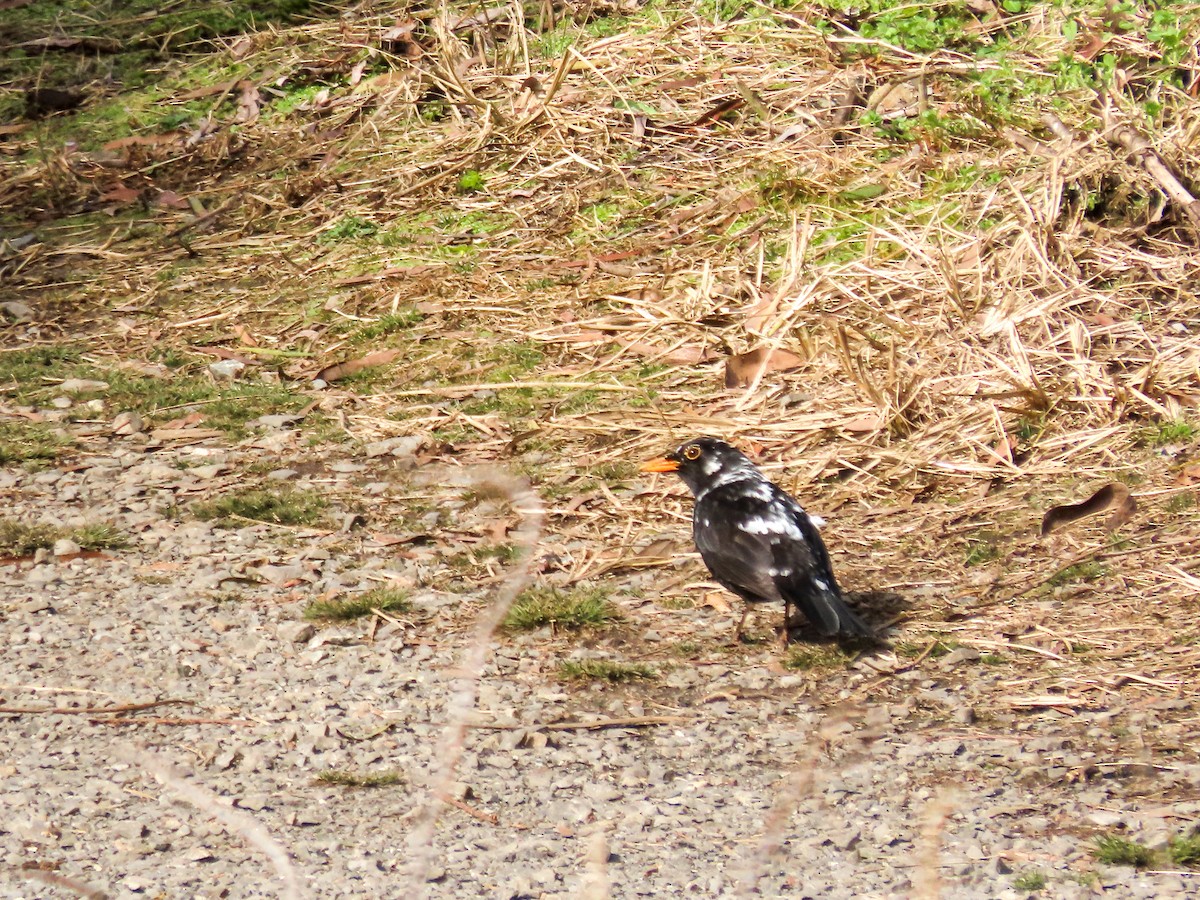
{"x": 879, "y": 780}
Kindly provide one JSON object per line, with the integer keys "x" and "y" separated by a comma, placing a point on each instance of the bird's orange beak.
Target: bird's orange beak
{"x": 662, "y": 464}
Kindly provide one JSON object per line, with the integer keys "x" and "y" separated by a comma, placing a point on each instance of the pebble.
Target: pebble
{"x": 66, "y": 547}
{"x": 226, "y": 369}
{"x": 83, "y": 386}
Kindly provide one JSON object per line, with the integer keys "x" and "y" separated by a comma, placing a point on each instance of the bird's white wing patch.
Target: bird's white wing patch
{"x": 770, "y": 524}
{"x": 817, "y": 521}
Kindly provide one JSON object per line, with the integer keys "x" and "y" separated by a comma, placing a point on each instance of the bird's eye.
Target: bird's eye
{"x": 692, "y": 452}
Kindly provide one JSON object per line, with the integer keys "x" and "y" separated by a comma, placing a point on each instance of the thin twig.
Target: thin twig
{"x": 92, "y": 710}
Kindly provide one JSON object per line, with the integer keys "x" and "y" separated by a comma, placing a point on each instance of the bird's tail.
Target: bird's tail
{"x": 826, "y": 608}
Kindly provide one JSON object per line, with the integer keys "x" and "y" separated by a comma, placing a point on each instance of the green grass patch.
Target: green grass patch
{"x": 605, "y": 670}
{"x": 99, "y": 536}
{"x": 982, "y": 549}
{"x": 806, "y": 657}
{"x": 1119, "y": 851}
{"x": 23, "y": 539}
{"x": 580, "y": 608}
{"x": 677, "y": 603}
{"x": 1181, "y": 502}
{"x": 286, "y": 506}
{"x": 1163, "y": 433}
{"x": 349, "y": 228}
{"x": 355, "y": 606}
{"x": 1185, "y": 850}
{"x": 32, "y": 377}
{"x": 1088, "y": 570}
{"x": 913, "y": 649}
{"x": 471, "y": 182}
{"x": 30, "y": 442}
{"x": 345, "y": 778}
{"x": 20, "y": 539}
{"x": 389, "y": 323}
{"x": 1030, "y": 881}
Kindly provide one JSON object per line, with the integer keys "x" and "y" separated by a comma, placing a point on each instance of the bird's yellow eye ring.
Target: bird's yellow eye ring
{"x": 692, "y": 452}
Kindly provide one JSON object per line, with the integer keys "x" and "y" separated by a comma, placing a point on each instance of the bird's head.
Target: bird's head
{"x": 702, "y": 462}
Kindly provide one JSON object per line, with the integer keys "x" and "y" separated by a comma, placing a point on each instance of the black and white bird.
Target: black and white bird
{"x": 756, "y": 540}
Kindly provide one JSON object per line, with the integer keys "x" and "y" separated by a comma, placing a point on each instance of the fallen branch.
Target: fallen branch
{"x": 92, "y": 710}
{"x": 490, "y": 818}
{"x": 624, "y": 722}
{"x": 159, "y": 720}
{"x": 1131, "y": 140}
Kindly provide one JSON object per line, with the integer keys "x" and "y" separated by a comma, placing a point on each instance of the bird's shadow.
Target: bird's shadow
{"x": 878, "y": 609}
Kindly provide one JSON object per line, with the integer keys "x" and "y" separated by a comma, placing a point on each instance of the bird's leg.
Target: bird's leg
{"x": 737, "y": 633}
{"x": 785, "y": 636}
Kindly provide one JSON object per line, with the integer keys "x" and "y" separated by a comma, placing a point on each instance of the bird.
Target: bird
{"x": 756, "y": 539}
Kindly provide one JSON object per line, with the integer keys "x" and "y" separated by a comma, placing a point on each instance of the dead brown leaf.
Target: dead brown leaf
{"x": 351, "y": 366}
{"x": 1114, "y": 496}
{"x": 120, "y": 194}
{"x": 761, "y": 313}
{"x": 247, "y": 110}
{"x": 869, "y": 422}
{"x": 717, "y": 111}
{"x": 142, "y": 140}
{"x": 743, "y": 368}
{"x": 244, "y": 336}
{"x": 209, "y": 91}
{"x": 179, "y": 424}
{"x": 1188, "y": 474}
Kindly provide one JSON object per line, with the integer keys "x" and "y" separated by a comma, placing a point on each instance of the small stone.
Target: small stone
{"x": 297, "y": 632}
{"x": 960, "y": 656}
{"x": 16, "y": 312}
{"x": 277, "y": 421}
{"x": 602, "y": 792}
{"x": 206, "y": 473}
{"x": 82, "y": 386}
{"x": 282, "y": 475}
{"x": 404, "y": 445}
{"x": 226, "y": 369}
{"x": 61, "y": 402}
{"x": 66, "y": 547}
{"x": 846, "y": 839}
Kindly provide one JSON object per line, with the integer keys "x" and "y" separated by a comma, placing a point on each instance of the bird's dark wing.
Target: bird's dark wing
{"x": 737, "y": 559}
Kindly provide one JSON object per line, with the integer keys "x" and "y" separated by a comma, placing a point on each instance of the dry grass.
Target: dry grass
{"x": 988, "y": 311}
